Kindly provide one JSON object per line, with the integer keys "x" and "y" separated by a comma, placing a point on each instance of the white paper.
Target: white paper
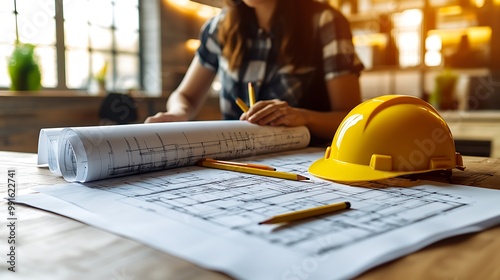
{"x": 98, "y": 152}
{"x": 48, "y": 148}
{"x": 210, "y": 217}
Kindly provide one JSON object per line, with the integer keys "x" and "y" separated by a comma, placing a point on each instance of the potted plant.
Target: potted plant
{"x": 24, "y": 69}
{"x": 100, "y": 77}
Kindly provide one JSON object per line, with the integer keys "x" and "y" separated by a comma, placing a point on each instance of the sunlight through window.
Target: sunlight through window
{"x": 93, "y": 31}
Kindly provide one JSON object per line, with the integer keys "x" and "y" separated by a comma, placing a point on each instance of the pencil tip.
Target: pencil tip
{"x": 268, "y": 221}
{"x": 300, "y": 177}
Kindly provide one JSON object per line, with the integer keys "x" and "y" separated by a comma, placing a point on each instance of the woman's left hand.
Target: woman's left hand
{"x": 274, "y": 113}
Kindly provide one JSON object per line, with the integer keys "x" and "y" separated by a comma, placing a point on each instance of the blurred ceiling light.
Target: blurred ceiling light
{"x": 203, "y": 11}
{"x": 192, "y": 44}
{"x": 478, "y": 3}
{"x": 450, "y": 11}
{"x": 408, "y": 18}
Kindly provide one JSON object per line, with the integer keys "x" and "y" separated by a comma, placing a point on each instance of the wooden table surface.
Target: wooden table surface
{"x": 51, "y": 246}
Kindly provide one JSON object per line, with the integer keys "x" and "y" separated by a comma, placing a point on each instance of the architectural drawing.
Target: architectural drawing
{"x": 239, "y": 201}
{"x": 195, "y": 212}
{"x": 93, "y": 153}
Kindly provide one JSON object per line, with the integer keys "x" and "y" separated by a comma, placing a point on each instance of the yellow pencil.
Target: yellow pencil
{"x": 251, "y": 94}
{"x": 307, "y": 213}
{"x": 251, "y": 165}
{"x": 250, "y": 170}
{"x": 241, "y": 104}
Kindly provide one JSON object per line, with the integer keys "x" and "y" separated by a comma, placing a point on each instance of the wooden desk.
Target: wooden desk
{"x": 475, "y": 125}
{"x": 54, "y": 247}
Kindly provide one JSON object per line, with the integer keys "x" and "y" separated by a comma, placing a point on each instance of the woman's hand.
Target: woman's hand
{"x": 274, "y": 113}
{"x": 166, "y": 117}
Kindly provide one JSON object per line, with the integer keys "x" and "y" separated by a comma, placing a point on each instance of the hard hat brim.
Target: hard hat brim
{"x": 335, "y": 170}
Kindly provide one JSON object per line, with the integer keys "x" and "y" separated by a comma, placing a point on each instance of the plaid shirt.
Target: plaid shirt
{"x": 304, "y": 87}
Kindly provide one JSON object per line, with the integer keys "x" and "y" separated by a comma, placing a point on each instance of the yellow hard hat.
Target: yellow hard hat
{"x": 385, "y": 137}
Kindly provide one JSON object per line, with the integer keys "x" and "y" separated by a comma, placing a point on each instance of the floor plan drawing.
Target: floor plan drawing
{"x": 238, "y": 201}
{"x": 193, "y": 212}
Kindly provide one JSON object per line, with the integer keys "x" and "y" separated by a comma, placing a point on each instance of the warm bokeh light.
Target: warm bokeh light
{"x": 412, "y": 17}
{"x": 407, "y": 28}
{"x": 433, "y": 46}
{"x": 372, "y": 39}
{"x": 203, "y": 11}
{"x": 409, "y": 47}
{"x": 216, "y": 85}
{"x": 192, "y": 44}
{"x": 478, "y": 3}
{"x": 476, "y": 35}
{"x": 180, "y": 3}
{"x": 433, "y": 58}
{"x": 433, "y": 43}
{"x": 451, "y": 10}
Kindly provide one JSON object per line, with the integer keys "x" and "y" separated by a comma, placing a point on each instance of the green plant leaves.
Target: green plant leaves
{"x": 24, "y": 69}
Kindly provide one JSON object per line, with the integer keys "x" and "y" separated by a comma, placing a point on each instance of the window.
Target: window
{"x": 407, "y": 32}
{"x": 74, "y": 39}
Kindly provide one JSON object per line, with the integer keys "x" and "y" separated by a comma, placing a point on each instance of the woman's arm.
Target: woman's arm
{"x": 185, "y": 101}
{"x": 344, "y": 93}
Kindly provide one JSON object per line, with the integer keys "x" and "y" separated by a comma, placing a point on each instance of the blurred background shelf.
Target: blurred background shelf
{"x": 404, "y": 45}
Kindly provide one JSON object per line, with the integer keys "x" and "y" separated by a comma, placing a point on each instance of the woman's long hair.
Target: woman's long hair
{"x": 293, "y": 18}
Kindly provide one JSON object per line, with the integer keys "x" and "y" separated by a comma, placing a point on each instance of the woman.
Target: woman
{"x": 298, "y": 55}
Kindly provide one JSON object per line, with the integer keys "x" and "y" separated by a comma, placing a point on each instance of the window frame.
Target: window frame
{"x": 61, "y": 48}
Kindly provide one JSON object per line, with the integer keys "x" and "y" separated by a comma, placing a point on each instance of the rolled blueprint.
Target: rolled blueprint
{"x": 83, "y": 154}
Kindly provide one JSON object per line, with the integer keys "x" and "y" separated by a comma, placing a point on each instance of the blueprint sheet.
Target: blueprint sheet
{"x": 83, "y": 154}
{"x": 210, "y": 217}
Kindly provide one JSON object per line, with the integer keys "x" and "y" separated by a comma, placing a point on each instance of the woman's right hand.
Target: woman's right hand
{"x": 166, "y": 117}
